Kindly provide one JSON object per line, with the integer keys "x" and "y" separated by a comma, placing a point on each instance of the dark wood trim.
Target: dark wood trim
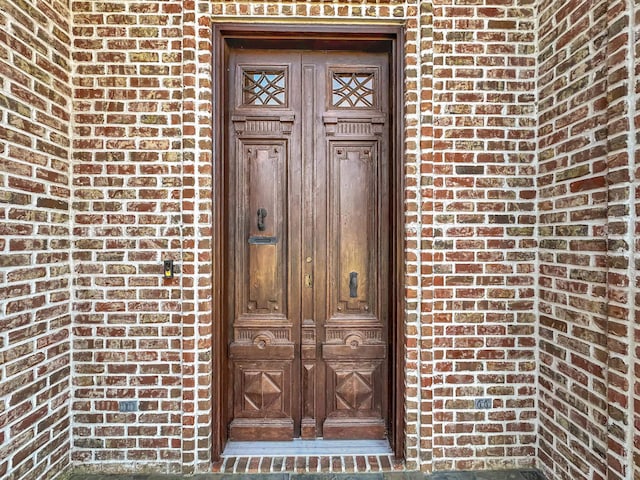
{"x": 341, "y": 36}
{"x": 397, "y": 264}
{"x": 219, "y": 344}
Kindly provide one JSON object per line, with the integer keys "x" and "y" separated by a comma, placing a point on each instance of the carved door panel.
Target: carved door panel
{"x": 308, "y": 244}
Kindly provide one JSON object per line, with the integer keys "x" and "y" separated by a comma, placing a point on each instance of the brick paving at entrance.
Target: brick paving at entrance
{"x": 519, "y": 474}
{"x": 309, "y": 464}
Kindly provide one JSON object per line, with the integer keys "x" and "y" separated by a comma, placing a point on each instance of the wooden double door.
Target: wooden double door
{"x": 307, "y": 244}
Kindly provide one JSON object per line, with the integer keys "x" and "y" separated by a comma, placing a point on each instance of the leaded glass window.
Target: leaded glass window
{"x": 353, "y": 89}
{"x": 264, "y": 87}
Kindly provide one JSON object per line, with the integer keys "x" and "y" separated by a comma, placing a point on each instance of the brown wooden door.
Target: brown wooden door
{"x": 307, "y": 242}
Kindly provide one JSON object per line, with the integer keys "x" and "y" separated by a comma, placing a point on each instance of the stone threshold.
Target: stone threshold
{"x": 306, "y": 448}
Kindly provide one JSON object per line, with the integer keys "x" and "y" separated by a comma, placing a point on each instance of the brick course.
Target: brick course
{"x": 634, "y": 229}
{"x": 197, "y": 204}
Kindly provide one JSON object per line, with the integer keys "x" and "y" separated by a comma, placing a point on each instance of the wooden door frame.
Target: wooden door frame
{"x": 339, "y": 36}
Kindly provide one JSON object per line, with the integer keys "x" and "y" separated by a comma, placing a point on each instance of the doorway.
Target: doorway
{"x": 309, "y": 240}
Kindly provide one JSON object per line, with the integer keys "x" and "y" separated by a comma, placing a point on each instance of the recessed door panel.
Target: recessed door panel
{"x": 264, "y": 183}
{"x": 352, "y": 197}
{"x": 263, "y": 406}
{"x": 308, "y": 249}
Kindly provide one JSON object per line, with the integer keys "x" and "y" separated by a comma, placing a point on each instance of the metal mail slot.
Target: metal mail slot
{"x": 255, "y": 240}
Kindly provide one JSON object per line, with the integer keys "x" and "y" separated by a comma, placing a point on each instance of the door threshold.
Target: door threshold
{"x": 300, "y": 447}
{"x": 309, "y": 457}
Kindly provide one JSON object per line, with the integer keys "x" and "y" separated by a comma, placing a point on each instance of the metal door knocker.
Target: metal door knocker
{"x": 353, "y": 284}
{"x": 262, "y": 213}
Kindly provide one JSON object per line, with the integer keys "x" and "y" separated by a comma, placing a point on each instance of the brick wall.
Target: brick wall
{"x": 587, "y": 280}
{"x": 419, "y": 257}
{"x": 572, "y": 225}
{"x": 620, "y": 237}
{"x": 128, "y": 178}
{"x": 481, "y": 177}
{"x": 474, "y": 173}
{"x": 509, "y": 279}
{"x": 141, "y": 181}
{"x": 635, "y": 215}
{"x": 142, "y": 178}
{"x": 35, "y": 280}
{"x": 197, "y": 393}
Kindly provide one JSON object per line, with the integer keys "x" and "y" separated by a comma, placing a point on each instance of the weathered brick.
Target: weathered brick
{"x": 471, "y": 118}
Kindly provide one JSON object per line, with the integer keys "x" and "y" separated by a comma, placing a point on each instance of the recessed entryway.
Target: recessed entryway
{"x": 309, "y": 237}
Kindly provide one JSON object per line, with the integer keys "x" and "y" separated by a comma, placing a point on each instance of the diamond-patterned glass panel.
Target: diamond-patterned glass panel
{"x": 353, "y": 89}
{"x": 264, "y": 87}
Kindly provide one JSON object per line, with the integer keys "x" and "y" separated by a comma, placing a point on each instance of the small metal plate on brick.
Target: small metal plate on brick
{"x": 255, "y": 240}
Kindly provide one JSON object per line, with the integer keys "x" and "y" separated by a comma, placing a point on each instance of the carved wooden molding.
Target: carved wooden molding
{"x": 263, "y": 125}
{"x": 349, "y": 126}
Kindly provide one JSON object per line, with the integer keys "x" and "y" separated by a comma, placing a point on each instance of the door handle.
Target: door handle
{"x": 262, "y": 213}
{"x": 353, "y": 284}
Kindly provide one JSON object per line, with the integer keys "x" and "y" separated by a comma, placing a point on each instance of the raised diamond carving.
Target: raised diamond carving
{"x": 262, "y": 390}
{"x": 353, "y": 392}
